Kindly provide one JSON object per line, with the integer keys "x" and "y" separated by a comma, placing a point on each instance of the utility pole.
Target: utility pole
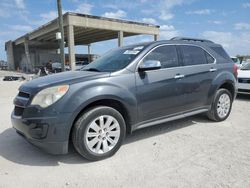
{"x": 61, "y": 29}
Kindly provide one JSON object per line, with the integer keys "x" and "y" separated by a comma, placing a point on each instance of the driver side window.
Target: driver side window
{"x": 167, "y": 55}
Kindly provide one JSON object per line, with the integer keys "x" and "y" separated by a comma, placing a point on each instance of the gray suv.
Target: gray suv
{"x": 126, "y": 89}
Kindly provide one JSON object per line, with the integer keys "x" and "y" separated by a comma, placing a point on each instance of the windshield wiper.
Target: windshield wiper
{"x": 92, "y": 69}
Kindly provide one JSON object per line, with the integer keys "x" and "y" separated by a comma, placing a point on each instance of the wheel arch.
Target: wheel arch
{"x": 229, "y": 85}
{"x": 110, "y": 102}
{"x": 224, "y": 80}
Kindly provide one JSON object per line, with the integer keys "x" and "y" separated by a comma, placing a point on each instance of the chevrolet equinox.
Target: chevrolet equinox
{"x": 126, "y": 89}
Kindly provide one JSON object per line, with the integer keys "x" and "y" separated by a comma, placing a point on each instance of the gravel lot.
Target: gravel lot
{"x": 192, "y": 152}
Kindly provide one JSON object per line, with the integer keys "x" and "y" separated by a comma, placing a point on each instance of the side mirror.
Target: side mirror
{"x": 149, "y": 65}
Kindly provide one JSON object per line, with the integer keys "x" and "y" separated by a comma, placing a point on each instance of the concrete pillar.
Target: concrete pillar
{"x": 71, "y": 47}
{"x": 29, "y": 66}
{"x": 156, "y": 37}
{"x": 10, "y": 55}
{"x": 89, "y": 53}
{"x": 120, "y": 38}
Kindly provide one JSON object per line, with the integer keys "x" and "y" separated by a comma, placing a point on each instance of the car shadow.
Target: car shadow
{"x": 165, "y": 128}
{"x": 16, "y": 149}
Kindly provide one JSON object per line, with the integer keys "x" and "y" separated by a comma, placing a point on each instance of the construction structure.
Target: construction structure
{"x": 40, "y": 46}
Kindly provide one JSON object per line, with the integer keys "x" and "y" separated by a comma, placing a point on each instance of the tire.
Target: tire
{"x": 220, "y": 110}
{"x": 99, "y": 133}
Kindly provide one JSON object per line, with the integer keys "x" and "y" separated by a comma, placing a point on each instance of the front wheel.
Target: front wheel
{"x": 221, "y": 106}
{"x": 99, "y": 133}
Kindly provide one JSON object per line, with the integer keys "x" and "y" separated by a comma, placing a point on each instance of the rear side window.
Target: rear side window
{"x": 221, "y": 52}
{"x": 193, "y": 55}
{"x": 167, "y": 55}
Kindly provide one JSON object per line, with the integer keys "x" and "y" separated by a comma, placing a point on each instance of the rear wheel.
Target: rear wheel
{"x": 221, "y": 106}
{"x": 99, "y": 133}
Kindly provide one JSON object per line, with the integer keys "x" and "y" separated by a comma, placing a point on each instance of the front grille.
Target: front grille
{"x": 244, "y": 80}
{"x": 23, "y": 94}
{"x": 18, "y": 111}
{"x": 20, "y": 102}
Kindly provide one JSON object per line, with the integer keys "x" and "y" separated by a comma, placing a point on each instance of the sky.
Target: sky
{"x": 226, "y": 22}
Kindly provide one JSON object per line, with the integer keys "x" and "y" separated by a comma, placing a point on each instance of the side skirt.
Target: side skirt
{"x": 167, "y": 119}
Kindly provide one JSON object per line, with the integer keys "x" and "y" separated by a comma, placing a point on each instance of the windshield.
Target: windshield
{"x": 246, "y": 67}
{"x": 114, "y": 60}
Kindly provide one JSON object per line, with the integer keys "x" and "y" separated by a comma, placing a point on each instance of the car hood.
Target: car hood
{"x": 243, "y": 73}
{"x": 68, "y": 77}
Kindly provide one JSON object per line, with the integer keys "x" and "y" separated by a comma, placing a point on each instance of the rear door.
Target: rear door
{"x": 198, "y": 69}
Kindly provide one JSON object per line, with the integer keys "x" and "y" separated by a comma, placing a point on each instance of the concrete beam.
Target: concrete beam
{"x": 120, "y": 38}
{"x": 71, "y": 46}
{"x": 81, "y": 21}
{"x": 20, "y": 41}
{"x": 84, "y": 41}
{"x": 50, "y": 45}
{"x": 47, "y": 28}
{"x": 90, "y": 29}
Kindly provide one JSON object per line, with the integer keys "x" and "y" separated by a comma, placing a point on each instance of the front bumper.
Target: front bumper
{"x": 244, "y": 88}
{"x": 48, "y": 133}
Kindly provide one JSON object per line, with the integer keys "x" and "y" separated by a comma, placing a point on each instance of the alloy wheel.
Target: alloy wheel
{"x": 223, "y": 105}
{"x": 102, "y": 134}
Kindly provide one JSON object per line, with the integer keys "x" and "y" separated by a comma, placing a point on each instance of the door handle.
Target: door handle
{"x": 178, "y": 76}
{"x": 212, "y": 70}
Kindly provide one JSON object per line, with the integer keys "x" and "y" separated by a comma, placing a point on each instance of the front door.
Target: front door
{"x": 158, "y": 91}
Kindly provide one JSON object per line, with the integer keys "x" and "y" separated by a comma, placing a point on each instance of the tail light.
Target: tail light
{"x": 235, "y": 70}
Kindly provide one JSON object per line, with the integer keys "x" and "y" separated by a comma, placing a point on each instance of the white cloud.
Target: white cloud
{"x": 217, "y": 22}
{"x": 111, "y": 6}
{"x": 161, "y": 8}
{"x": 84, "y": 8}
{"x": 200, "y": 12}
{"x": 242, "y": 26}
{"x": 4, "y": 33}
{"x": 149, "y": 21}
{"x": 234, "y": 43}
{"x": 121, "y": 5}
{"x": 4, "y": 13}
{"x": 246, "y": 5}
{"x": 168, "y": 4}
{"x": 165, "y": 8}
{"x": 20, "y": 4}
{"x": 168, "y": 32}
{"x": 21, "y": 28}
{"x": 118, "y": 14}
{"x": 48, "y": 16}
{"x": 166, "y": 15}
{"x": 10, "y": 8}
{"x": 167, "y": 27}
{"x": 224, "y": 38}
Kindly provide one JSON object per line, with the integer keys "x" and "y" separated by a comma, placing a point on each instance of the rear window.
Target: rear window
{"x": 193, "y": 55}
{"x": 221, "y": 52}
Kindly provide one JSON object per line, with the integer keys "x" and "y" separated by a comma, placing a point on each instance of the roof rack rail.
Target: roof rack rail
{"x": 191, "y": 39}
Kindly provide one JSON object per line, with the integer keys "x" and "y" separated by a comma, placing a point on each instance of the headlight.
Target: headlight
{"x": 49, "y": 95}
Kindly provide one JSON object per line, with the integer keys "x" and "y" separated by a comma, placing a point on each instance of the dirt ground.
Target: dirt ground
{"x": 192, "y": 152}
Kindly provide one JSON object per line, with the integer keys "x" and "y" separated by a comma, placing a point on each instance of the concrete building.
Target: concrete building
{"x": 40, "y": 46}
